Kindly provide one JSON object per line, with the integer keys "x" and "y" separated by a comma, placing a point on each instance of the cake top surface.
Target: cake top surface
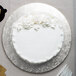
{"x": 37, "y": 37}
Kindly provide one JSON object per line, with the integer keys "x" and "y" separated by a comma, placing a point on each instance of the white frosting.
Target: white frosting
{"x": 37, "y": 37}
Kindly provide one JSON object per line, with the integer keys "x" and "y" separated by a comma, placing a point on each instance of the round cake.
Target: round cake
{"x": 38, "y": 35}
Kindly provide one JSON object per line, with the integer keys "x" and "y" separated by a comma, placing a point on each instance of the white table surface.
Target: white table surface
{"x": 66, "y": 7}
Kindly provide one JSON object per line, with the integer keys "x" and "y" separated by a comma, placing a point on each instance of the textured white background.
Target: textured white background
{"x": 66, "y": 7}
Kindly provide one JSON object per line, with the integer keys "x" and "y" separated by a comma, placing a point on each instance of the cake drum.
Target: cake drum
{"x": 30, "y": 67}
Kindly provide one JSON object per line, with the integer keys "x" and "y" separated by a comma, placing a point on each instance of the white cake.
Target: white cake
{"x": 38, "y": 36}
